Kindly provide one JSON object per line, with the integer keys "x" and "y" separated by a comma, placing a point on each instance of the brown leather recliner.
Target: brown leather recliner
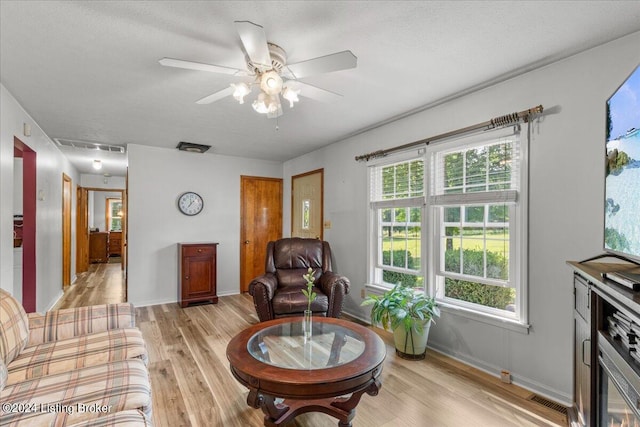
{"x": 278, "y": 292}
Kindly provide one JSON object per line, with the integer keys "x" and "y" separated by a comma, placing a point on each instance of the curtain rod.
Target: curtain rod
{"x": 506, "y": 120}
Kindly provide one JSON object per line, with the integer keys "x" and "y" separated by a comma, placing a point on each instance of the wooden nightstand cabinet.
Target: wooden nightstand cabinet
{"x": 99, "y": 247}
{"x": 115, "y": 243}
{"x": 197, "y": 272}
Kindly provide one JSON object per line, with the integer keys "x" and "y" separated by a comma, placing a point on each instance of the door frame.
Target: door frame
{"x": 67, "y": 207}
{"x": 82, "y": 229}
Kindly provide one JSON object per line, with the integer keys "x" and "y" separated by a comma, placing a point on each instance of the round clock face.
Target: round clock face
{"x": 190, "y": 203}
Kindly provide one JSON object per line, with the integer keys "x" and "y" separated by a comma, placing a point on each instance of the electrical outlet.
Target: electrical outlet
{"x": 505, "y": 377}
{"x": 327, "y": 225}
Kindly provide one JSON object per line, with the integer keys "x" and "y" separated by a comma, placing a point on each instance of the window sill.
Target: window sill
{"x": 501, "y": 322}
{"x": 376, "y": 289}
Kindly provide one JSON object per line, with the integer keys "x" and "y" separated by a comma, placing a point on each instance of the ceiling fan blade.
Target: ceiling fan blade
{"x": 190, "y": 65}
{"x": 216, "y": 96}
{"x": 255, "y": 43}
{"x": 324, "y": 64}
{"x": 314, "y": 92}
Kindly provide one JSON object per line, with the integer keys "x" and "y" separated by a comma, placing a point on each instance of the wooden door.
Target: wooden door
{"x": 66, "y": 231}
{"x": 260, "y": 222}
{"x": 307, "y": 192}
{"x": 82, "y": 230}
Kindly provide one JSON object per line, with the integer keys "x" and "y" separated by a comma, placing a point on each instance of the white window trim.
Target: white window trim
{"x": 488, "y": 318}
{"x": 374, "y": 270}
{"x": 520, "y": 220}
{"x": 429, "y": 231}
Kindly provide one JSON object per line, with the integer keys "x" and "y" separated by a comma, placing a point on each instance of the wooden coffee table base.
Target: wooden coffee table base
{"x": 348, "y": 363}
{"x": 342, "y": 408}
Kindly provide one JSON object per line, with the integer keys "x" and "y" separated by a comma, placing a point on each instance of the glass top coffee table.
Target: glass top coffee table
{"x": 327, "y": 373}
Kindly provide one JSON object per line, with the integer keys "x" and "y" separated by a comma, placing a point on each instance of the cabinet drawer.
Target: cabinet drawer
{"x": 198, "y": 250}
{"x": 582, "y": 297}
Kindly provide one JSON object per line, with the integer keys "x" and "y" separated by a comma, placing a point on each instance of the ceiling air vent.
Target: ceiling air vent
{"x": 88, "y": 145}
{"x": 192, "y": 148}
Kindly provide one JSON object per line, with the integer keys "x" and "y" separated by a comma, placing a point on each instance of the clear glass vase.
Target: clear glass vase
{"x": 307, "y": 325}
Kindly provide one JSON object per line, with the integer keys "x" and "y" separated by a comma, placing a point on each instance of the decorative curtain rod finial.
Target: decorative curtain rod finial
{"x": 506, "y": 120}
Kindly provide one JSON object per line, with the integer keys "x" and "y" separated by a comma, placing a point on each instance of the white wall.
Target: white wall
{"x": 156, "y": 225}
{"x": 566, "y": 214}
{"x": 90, "y": 180}
{"x": 51, "y": 164}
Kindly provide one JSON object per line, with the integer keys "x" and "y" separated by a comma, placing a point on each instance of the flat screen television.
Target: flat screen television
{"x": 622, "y": 170}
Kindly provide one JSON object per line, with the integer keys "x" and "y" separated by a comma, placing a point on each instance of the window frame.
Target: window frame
{"x": 432, "y": 240}
{"x": 518, "y": 235}
{"x": 375, "y": 208}
{"x": 109, "y": 217}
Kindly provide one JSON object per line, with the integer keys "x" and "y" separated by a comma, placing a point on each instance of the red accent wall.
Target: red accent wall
{"x": 29, "y": 178}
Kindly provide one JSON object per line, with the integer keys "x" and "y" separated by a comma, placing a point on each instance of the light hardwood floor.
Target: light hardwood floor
{"x": 192, "y": 384}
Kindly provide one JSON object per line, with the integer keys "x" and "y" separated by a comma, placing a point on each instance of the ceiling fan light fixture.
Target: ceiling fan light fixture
{"x": 240, "y": 90}
{"x": 271, "y": 83}
{"x": 267, "y": 63}
{"x": 259, "y": 105}
{"x": 290, "y": 95}
{"x": 265, "y": 103}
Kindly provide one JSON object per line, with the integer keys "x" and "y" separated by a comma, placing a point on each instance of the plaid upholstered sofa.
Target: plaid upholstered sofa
{"x": 73, "y": 367}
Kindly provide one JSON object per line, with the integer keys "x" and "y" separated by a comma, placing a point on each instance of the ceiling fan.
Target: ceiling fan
{"x": 267, "y": 64}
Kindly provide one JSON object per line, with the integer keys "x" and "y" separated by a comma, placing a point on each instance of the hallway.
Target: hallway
{"x": 102, "y": 284}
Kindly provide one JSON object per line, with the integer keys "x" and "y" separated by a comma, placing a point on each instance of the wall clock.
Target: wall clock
{"x": 190, "y": 203}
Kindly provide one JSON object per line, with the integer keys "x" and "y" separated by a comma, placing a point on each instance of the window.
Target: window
{"x": 453, "y": 221}
{"x": 397, "y": 205}
{"x": 114, "y": 214}
{"x": 479, "y": 230}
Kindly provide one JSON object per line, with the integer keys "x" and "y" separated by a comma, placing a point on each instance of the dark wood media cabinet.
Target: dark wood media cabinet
{"x": 598, "y": 301}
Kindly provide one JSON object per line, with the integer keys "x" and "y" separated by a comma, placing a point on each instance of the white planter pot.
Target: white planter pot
{"x": 410, "y": 345}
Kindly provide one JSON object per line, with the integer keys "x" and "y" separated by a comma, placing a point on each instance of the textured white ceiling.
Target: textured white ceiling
{"x": 88, "y": 70}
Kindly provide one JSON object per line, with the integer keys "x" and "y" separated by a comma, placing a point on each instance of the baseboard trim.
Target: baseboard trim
{"x": 227, "y": 293}
{"x": 171, "y": 301}
{"x": 526, "y": 383}
{"x": 55, "y": 301}
{"x": 153, "y": 302}
{"x": 364, "y": 320}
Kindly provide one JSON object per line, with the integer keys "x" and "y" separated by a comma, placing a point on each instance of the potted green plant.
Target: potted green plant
{"x": 409, "y": 314}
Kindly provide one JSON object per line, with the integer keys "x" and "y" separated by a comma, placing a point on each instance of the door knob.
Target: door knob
{"x": 246, "y": 242}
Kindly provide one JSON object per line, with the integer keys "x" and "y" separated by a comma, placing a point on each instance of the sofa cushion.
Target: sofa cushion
{"x": 72, "y": 322}
{"x": 14, "y": 327}
{"x": 80, "y": 395}
{"x": 298, "y": 253}
{"x": 3, "y": 375}
{"x": 291, "y": 300}
{"x": 78, "y": 352}
{"x": 291, "y": 277}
